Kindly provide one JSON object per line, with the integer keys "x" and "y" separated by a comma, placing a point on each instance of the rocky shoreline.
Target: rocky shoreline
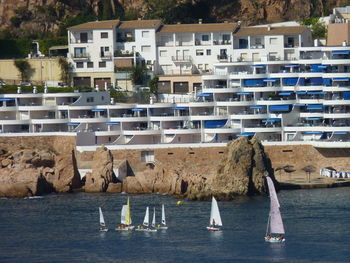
{"x": 241, "y": 171}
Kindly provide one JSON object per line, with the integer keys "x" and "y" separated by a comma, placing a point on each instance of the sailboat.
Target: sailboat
{"x": 215, "y": 218}
{"x": 163, "y": 225}
{"x": 103, "y": 227}
{"x": 145, "y": 226}
{"x": 125, "y": 218}
{"x": 275, "y": 228}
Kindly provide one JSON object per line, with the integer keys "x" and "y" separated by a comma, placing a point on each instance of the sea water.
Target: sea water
{"x": 64, "y": 228}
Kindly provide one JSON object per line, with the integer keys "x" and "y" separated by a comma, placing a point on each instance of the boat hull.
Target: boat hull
{"x": 210, "y": 228}
{"x": 275, "y": 239}
{"x": 104, "y": 230}
{"x": 124, "y": 228}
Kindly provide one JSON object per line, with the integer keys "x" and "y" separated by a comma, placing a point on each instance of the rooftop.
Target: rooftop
{"x": 281, "y": 30}
{"x": 140, "y": 24}
{"x": 197, "y": 27}
{"x": 106, "y": 24}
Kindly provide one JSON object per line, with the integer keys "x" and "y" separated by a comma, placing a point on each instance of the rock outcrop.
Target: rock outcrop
{"x": 102, "y": 171}
{"x": 240, "y": 172}
{"x": 47, "y": 15}
{"x": 29, "y": 172}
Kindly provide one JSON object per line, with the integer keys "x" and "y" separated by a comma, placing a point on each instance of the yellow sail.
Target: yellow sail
{"x": 128, "y": 213}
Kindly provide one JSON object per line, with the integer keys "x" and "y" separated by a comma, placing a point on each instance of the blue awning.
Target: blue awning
{"x": 292, "y": 65}
{"x": 205, "y": 94}
{"x": 137, "y": 109}
{"x": 246, "y": 134}
{"x": 244, "y": 93}
{"x": 270, "y": 80}
{"x": 258, "y": 66}
{"x": 113, "y": 123}
{"x": 312, "y": 133}
{"x": 272, "y": 120}
{"x": 290, "y": 81}
{"x": 340, "y": 133}
{"x": 98, "y": 110}
{"x": 213, "y": 124}
{"x": 314, "y": 107}
{"x": 180, "y": 108}
{"x": 341, "y": 52}
{"x": 323, "y": 66}
{"x": 257, "y": 107}
{"x": 73, "y": 124}
{"x": 279, "y": 108}
{"x": 285, "y": 93}
{"x": 341, "y": 79}
{"x": 317, "y": 92}
{"x": 6, "y": 99}
{"x": 313, "y": 119}
{"x": 301, "y": 92}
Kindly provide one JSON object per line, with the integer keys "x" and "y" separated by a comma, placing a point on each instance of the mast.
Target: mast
{"x": 154, "y": 217}
{"x": 163, "y": 215}
{"x": 128, "y": 213}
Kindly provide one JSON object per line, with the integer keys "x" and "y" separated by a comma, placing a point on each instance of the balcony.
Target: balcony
{"x": 222, "y": 42}
{"x": 181, "y": 59}
{"x": 80, "y": 56}
{"x": 222, "y": 58}
{"x": 79, "y": 41}
{"x": 126, "y": 39}
{"x": 257, "y": 46}
{"x": 106, "y": 55}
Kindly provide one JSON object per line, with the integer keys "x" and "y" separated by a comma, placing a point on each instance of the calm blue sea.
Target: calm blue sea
{"x": 64, "y": 228}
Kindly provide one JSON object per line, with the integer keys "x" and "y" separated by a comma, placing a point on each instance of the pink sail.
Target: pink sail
{"x": 276, "y": 224}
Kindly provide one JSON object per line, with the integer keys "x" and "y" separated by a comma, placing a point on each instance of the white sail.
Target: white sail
{"x": 146, "y": 219}
{"x": 123, "y": 215}
{"x": 163, "y": 215}
{"x": 215, "y": 218}
{"x": 102, "y": 220}
{"x": 154, "y": 218}
{"x": 275, "y": 219}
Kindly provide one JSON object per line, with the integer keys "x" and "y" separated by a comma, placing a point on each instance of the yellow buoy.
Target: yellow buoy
{"x": 179, "y": 203}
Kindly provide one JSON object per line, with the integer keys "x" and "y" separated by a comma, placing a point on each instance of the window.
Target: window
{"x": 226, "y": 37}
{"x": 145, "y": 48}
{"x": 102, "y": 64}
{"x": 273, "y": 41}
{"x": 148, "y": 62}
{"x": 205, "y": 37}
{"x": 90, "y": 64}
{"x": 104, "y": 35}
{"x": 145, "y": 34}
{"x": 83, "y": 37}
{"x": 243, "y": 43}
{"x": 200, "y": 66}
{"x": 80, "y": 64}
{"x": 90, "y": 99}
{"x": 208, "y": 52}
{"x": 147, "y": 156}
{"x": 80, "y": 52}
{"x": 162, "y": 53}
{"x": 199, "y": 52}
{"x": 258, "y": 41}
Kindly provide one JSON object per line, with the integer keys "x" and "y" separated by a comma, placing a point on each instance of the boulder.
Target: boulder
{"x": 115, "y": 188}
{"x": 28, "y": 182}
{"x": 102, "y": 171}
{"x": 6, "y": 162}
{"x": 66, "y": 176}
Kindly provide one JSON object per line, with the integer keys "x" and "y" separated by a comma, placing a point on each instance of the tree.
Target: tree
{"x": 138, "y": 75}
{"x": 24, "y": 68}
{"x": 318, "y": 28}
{"x": 153, "y": 85}
{"x": 65, "y": 67}
{"x": 309, "y": 169}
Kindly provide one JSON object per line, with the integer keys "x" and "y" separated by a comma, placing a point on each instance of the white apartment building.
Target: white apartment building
{"x": 96, "y": 48}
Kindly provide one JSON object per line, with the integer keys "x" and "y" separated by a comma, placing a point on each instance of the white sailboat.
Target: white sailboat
{"x": 103, "y": 227}
{"x": 125, "y": 218}
{"x": 275, "y": 228}
{"x": 145, "y": 226}
{"x": 215, "y": 218}
{"x": 163, "y": 225}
